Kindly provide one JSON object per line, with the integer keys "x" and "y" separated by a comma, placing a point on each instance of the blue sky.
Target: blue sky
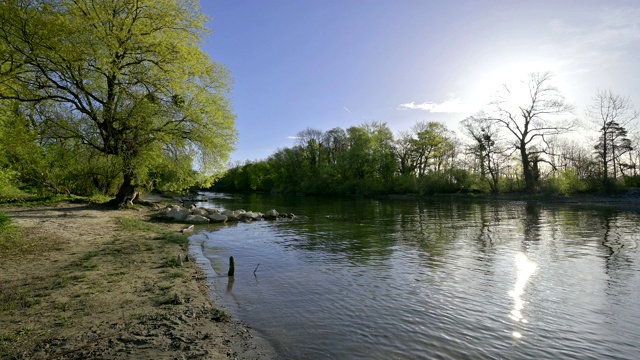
{"x": 326, "y": 63}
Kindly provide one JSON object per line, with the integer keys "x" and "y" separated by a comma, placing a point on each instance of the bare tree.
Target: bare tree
{"x": 571, "y": 154}
{"x": 485, "y": 147}
{"x": 611, "y": 113}
{"x": 531, "y": 112}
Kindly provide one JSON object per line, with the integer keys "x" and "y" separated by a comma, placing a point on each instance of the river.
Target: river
{"x": 384, "y": 279}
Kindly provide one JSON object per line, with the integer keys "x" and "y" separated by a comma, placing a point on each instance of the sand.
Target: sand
{"x": 80, "y": 284}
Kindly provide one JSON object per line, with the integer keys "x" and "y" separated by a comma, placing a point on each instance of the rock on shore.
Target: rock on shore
{"x": 193, "y": 215}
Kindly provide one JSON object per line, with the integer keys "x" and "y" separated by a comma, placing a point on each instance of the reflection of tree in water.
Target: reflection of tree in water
{"x": 490, "y": 217}
{"x": 432, "y": 226}
{"x": 370, "y": 230}
{"x": 531, "y": 225}
{"x": 618, "y": 243}
{"x": 498, "y": 223}
{"x": 359, "y": 231}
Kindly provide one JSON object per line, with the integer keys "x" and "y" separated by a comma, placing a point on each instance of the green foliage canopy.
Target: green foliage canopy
{"x": 124, "y": 78}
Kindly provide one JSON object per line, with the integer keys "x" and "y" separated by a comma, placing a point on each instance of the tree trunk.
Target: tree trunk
{"x": 527, "y": 171}
{"x": 605, "y": 164}
{"x": 128, "y": 191}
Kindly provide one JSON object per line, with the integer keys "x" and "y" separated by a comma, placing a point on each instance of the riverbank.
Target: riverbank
{"x": 78, "y": 281}
{"x": 629, "y": 200}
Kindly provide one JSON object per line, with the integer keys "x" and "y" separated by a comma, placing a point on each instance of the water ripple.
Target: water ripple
{"x": 438, "y": 281}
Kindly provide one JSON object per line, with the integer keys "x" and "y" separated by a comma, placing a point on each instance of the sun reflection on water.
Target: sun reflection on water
{"x": 525, "y": 269}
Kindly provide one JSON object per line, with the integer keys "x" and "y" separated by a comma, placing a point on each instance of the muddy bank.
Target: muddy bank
{"x": 79, "y": 281}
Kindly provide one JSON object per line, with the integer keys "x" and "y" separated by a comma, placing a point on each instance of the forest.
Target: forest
{"x": 528, "y": 140}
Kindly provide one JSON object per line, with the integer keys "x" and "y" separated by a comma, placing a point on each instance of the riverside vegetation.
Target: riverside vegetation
{"x": 539, "y": 146}
{"x": 136, "y": 105}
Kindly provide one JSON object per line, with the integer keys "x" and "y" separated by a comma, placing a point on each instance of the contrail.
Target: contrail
{"x": 349, "y": 111}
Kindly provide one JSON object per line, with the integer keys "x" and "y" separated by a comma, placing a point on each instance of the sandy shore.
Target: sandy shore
{"x": 85, "y": 282}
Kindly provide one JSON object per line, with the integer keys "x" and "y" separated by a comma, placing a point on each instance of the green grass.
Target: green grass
{"x": 10, "y": 235}
{"x": 99, "y": 198}
{"x": 136, "y": 224}
{"x": 5, "y": 221}
{"x": 165, "y": 235}
{"x": 173, "y": 238}
{"x": 83, "y": 263}
{"x": 49, "y": 199}
{"x": 172, "y": 262}
{"x": 219, "y": 315}
{"x": 165, "y": 287}
{"x": 21, "y": 299}
{"x": 175, "y": 274}
{"x": 32, "y": 198}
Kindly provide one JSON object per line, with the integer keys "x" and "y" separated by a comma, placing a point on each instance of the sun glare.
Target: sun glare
{"x": 493, "y": 80}
{"x": 525, "y": 269}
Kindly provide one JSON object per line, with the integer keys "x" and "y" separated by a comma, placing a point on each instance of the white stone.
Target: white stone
{"x": 196, "y": 219}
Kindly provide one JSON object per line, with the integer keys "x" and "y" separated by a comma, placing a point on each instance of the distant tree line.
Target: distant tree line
{"x": 528, "y": 139}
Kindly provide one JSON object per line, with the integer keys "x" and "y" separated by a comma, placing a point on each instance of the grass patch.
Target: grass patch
{"x": 173, "y": 238}
{"x": 171, "y": 262}
{"x": 126, "y": 247}
{"x": 219, "y": 315}
{"x": 5, "y": 221}
{"x": 99, "y": 198}
{"x": 15, "y": 300}
{"x": 11, "y": 239}
{"x": 83, "y": 263}
{"x": 15, "y": 240}
{"x": 167, "y": 300}
{"x": 78, "y": 277}
{"x": 165, "y": 235}
{"x": 175, "y": 274}
{"x": 47, "y": 199}
{"x": 60, "y": 282}
{"x": 148, "y": 318}
{"x": 130, "y": 224}
{"x": 10, "y": 236}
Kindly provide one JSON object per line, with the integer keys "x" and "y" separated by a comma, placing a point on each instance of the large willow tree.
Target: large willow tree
{"x": 126, "y": 78}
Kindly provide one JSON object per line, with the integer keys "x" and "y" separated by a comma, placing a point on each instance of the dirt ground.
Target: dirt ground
{"x": 84, "y": 282}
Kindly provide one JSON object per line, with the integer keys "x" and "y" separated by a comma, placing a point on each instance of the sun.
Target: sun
{"x": 495, "y": 76}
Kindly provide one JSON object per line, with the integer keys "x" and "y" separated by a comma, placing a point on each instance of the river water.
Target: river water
{"x": 383, "y": 279}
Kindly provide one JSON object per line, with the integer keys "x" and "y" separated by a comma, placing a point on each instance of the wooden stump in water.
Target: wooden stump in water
{"x": 230, "y": 282}
{"x": 232, "y": 266}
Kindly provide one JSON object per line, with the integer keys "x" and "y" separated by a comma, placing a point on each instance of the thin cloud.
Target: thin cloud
{"x": 293, "y": 137}
{"x": 612, "y": 35}
{"x": 451, "y": 106}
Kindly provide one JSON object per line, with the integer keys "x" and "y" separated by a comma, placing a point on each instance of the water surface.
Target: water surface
{"x": 368, "y": 279}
